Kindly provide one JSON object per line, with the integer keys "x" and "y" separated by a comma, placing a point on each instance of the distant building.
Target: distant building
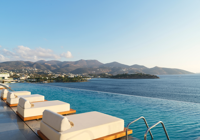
{"x": 71, "y": 76}
{"x": 4, "y": 75}
{"x": 22, "y": 78}
{"x": 11, "y": 73}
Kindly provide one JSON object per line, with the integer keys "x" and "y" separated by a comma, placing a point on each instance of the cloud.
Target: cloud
{"x": 66, "y": 55}
{"x": 0, "y": 46}
{"x": 28, "y": 54}
{"x": 3, "y": 58}
{"x": 8, "y": 53}
{"x": 35, "y": 54}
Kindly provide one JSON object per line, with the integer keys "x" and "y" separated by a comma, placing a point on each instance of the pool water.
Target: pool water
{"x": 182, "y": 119}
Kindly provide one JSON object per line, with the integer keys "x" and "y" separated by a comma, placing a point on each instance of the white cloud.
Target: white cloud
{"x": 8, "y": 53}
{"x": 35, "y": 54}
{"x": 25, "y": 53}
{"x": 68, "y": 54}
{"x": 0, "y": 46}
{"x": 3, "y": 58}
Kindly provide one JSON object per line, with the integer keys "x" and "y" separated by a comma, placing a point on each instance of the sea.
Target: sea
{"x": 172, "y": 99}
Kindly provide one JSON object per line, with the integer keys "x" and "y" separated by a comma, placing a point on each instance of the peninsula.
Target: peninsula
{"x": 134, "y": 76}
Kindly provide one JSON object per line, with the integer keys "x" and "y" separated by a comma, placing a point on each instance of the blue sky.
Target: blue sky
{"x": 151, "y": 33}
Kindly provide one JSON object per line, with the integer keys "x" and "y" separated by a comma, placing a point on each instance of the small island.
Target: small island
{"x": 134, "y": 76}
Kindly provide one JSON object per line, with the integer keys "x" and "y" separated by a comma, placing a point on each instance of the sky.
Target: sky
{"x": 146, "y": 32}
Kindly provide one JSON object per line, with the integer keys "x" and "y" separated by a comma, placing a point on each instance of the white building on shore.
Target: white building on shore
{"x": 4, "y": 75}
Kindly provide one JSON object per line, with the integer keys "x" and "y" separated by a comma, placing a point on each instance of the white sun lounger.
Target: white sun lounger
{"x": 86, "y": 126}
{"x": 2, "y": 87}
{"x": 13, "y": 100}
{"x": 4, "y": 93}
{"x": 31, "y": 111}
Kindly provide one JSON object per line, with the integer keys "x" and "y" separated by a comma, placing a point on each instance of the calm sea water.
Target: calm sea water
{"x": 171, "y": 99}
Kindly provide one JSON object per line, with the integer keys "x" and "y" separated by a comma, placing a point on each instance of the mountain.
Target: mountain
{"x": 87, "y": 66}
{"x": 138, "y": 66}
{"x": 88, "y": 63}
{"x": 163, "y": 71}
{"x": 12, "y": 65}
{"x": 80, "y": 63}
{"x": 114, "y": 64}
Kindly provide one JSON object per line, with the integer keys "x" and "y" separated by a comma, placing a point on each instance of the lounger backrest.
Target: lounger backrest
{"x": 23, "y": 103}
{"x": 56, "y": 121}
{"x": 10, "y": 95}
{"x": 4, "y": 93}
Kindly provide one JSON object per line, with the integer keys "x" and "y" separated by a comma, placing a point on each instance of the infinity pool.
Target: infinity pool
{"x": 182, "y": 119}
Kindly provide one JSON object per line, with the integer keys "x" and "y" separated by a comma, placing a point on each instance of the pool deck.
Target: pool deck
{"x": 13, "y": 128}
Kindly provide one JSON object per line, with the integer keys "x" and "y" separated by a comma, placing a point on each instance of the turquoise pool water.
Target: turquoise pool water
{"x": 182, "y": 119}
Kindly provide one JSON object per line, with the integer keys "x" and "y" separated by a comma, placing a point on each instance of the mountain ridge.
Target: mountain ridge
{"x": 88, "y": 66}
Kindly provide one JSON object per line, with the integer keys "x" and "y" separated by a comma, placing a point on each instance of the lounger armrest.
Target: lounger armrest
{"x": 56, "y": 121}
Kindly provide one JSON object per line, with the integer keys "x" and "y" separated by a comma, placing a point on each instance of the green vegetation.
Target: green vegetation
{"x": 134, "y": 76}
{"x": 15, "y": 76}
{"x": 101, "y": 75}
{"x": 58, "y": 79}
{"x": 67, "y": 79}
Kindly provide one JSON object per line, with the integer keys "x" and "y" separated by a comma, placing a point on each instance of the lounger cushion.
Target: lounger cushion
{"x": 17, "y": 93}
{"x": 4, "y": 93}
{"x": 2, "y": 87}
{"x": 60, "y": 123}
{"x": 39, "y": 107}
{"x": 87, "y": 126}
{"x": 30, "y": 98}
{"x": 23, "y": 103}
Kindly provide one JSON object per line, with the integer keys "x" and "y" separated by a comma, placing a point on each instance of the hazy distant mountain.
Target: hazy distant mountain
{"x": 163, "y": 71}
{"x": 88, "y": 63}
{"x": 11, "y": 65}
{"x": 114, "y": 64}
{"x": 80, "y": 63}
{"x": 88, "y": 66}
{"x": 138, "y": 66}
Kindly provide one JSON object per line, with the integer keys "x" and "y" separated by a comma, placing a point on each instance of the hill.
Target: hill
{"x": 114, "y": 64}
{"x": 87, "y": 66}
